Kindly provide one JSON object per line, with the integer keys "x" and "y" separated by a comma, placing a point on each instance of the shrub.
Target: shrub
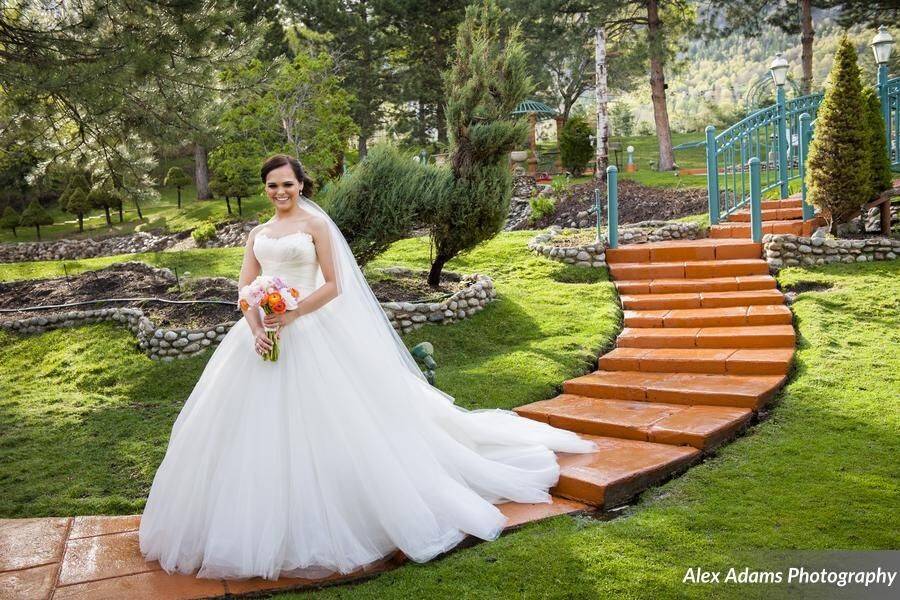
{"x": 622, "y": 119}
{"x": 541, "y": 206}
{"x": 839, "y": 156}
{"x": 203, "y": 233}
{"x": 36, "y": 215}
{"x": 177, "y": 178}
{"x": 880, "y": 177}
{"x": 10, "y": 219}
{"x": 560, "y": 184}
{"x": 575, "y": 145}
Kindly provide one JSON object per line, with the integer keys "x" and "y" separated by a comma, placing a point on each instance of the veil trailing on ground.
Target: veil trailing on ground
{"x": 371, "y": 324}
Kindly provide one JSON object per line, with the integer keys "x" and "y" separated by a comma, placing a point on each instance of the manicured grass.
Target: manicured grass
{"x": 193, "y": 212}
{"x": 646, "y": 149}
{"x": 85, "y": 416}
{"x": 820, "y": 473}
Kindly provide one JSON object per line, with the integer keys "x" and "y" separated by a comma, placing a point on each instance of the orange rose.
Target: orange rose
{"x": 279, "y": 307}
{"x": 244, "y": 305}
{"x": 294, "y": 293}
{"x": 274, "y": 298}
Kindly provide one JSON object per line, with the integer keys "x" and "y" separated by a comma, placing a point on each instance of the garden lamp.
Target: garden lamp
{"x": 779, "y": 69}
{"x": 882, "y": 44}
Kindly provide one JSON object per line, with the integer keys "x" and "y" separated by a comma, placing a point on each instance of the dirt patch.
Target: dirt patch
{"x": 636, "y": 203}
{"x": 792, "y": 291}
{"x": 569, "y": 238}
{"x": 413, "y": 288}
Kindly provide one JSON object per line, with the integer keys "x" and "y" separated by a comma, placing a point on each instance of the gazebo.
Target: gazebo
{"x": 533, "y": 109}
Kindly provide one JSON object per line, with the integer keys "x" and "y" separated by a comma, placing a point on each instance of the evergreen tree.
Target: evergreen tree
{"x": 106, "y": 197}
{"x": 78, "y": 204}
{"x": 177, "y": 178}
{"x": 10, "y": 219}
{"x": 880, "y": 177}
{"x": 575, "y": 146}
{"x": 839, "y": 155}
{"x": 486, "y": 82}
{"x": 35, "y": 215}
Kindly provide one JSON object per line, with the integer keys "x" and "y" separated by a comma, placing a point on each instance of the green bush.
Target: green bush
{"x": 839, "y": 155}
{"x": 35, "y": 215}
{"x": 880, "y": 177}
{"x": 575, "y": 145}
{"x": 560, "y": 184}
{"x": 541, "y": 206}
{"x": 10, "y": 219}
{"x": 203, "y": 233}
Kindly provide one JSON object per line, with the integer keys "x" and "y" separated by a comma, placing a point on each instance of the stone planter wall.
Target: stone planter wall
{"x": 159, "y": 344}
{"x": 70, "y": 249}
{"x": 787, "y": 250}
{"x": 169, "y": 344}
{"x": 594, "y": 255}
{"x": 407, "y": 316}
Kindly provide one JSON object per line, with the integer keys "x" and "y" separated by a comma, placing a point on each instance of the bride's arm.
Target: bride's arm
{"x": 250, "y": 270}
{"x": 328, "y": 291}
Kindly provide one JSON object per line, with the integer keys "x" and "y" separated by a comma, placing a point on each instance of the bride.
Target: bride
{"x": 339, "y": 452}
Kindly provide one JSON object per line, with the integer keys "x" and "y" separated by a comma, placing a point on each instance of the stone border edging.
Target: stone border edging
{"x": 787, "y": 250}
{"x": 594, "y": 255}
{"x": 168, "y": 344}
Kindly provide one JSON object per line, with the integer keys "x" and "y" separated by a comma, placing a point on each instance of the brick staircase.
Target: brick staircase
{"x": 707, "y": 342}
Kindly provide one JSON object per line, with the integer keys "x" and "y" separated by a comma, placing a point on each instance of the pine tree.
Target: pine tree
{"x": 36, "y": 215}
{"x": 105, "y": 197}
{"x": 575, "y": 146}
{"x": 177, "y": 178}
{"x": 78, "y": 205}
{"x": 880, "y": 177}
{"x": 839, "y": 156}
{"x": 10, "y": 219}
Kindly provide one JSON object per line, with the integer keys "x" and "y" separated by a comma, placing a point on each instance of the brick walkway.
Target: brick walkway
{"x": 707, "y": 342}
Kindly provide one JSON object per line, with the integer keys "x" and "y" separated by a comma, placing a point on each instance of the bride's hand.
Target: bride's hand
{"x": 261, "y": 342}
{"x": 279, "y": 319}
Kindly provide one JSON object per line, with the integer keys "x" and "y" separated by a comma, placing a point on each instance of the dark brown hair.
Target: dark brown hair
{"x": 279, "y": 160}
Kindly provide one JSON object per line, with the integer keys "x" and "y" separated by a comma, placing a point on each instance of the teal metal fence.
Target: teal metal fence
{"x": 889, "y": 92}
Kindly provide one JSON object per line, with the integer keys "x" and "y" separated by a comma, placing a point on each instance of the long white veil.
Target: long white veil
{"x": 359, "y": 300}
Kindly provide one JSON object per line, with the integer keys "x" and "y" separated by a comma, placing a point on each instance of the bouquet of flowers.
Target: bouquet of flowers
{"x": 272, "y": 295}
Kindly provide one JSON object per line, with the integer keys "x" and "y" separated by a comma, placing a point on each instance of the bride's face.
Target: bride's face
{"x": 282, "y": 187}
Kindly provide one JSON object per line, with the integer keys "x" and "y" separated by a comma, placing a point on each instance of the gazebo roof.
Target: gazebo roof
{"x": 527, "y": 107}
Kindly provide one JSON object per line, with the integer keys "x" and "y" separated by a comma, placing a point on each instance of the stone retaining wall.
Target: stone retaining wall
{"x": 594, "y": 255}
{"x": 169, "y": 344}
{"x": 74, "y": 249}
{"x": 785, "y": 250}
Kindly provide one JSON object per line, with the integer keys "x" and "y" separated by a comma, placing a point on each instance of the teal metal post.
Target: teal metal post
{"x": 782, "y": 143}
{"x": 712, "y": 175}
{"x": 808, "y": 210}
{"x": 612, "y": 205}
{"x": 885, "y": 107}
{"x": 755, "y": 201}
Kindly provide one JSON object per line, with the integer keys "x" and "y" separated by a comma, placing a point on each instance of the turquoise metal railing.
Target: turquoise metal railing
{"x": 889, "y": 93}
{"x": 771, "y": 135}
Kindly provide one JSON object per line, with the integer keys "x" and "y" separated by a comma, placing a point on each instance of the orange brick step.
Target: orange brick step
{"x": 754, "y": 361}
{"x": 699, "y": 269}
{"x": 703, "y": 427}
{"x": 620, "y": 470}
{"x": 701, "y": 299}
{"x": 772, "y": 214}
{"x": 684, "y": 250}
{"x": 729, "y": 316}
{"x": 776, "y": 204}
{"x": 755, "y": 336}
{"x": 705, "y": 284}
{"x": 742, "y": 230}
{"x": 744, "y": 391}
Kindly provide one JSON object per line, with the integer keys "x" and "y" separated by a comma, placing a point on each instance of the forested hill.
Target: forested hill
{"x": 715, "y": 76}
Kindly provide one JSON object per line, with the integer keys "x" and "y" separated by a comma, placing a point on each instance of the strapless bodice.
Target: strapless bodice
{"x": 291, "y": 257}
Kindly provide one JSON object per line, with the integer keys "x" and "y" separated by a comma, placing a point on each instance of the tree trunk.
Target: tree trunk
{"x": 179, "y": 196}
{"x": 201, "y": 172}
{"x": 602, "y": 93}
{"x": 80, "y": 222}
{"x": 38, "y": 231}
{"x": 108, "y": 219}
{"x": 434, "y": 275}
{"x": 807, "y": 35}
{"x": 658, "y": 88}
{"x": 228, "y": 204}
{"x": 137, "y": 205}
{"x": 121, "y": 216}
{"x": 240, "y": 212}
{"x": 14, "y": 232}
{"x": 361, "y": 145}
{"x": 440, "y": 117}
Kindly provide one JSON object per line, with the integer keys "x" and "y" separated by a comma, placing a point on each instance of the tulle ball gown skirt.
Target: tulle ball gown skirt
{"x": 329, "y": 459}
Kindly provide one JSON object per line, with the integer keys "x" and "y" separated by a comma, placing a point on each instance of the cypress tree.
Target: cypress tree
{"x": 78, "y": 204}
{"x": 10, "y": 219}
{"x": 839, "y": 155}
{"x": 177, "y": 178}
{"x": 575, "y": 145}
{"x": 880, "y": 177}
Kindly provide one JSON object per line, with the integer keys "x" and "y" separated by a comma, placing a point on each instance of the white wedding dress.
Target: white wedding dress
{"x": 333, "y": 456}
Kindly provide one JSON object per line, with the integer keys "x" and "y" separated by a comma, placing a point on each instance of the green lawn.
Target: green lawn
{"x": 85, "y": 417}
{"x": 192, "y": 213}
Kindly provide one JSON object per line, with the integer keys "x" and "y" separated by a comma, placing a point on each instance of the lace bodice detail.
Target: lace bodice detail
{"x": 291, "y": 257}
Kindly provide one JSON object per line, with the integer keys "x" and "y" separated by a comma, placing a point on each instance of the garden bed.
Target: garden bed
{"x": 574, "y": 207}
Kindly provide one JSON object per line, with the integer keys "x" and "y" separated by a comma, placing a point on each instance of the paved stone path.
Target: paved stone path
{"x": 707, "y": 342}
